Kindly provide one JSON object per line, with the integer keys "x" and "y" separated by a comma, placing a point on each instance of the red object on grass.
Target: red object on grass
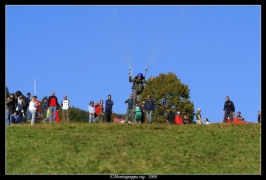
{"x": 57, "y": 118}
{"x": 237, "y": 121}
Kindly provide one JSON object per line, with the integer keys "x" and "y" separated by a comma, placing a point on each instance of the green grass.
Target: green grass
{"x": 116, "y": 148}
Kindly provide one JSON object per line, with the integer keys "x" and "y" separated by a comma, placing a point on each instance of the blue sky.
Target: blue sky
{"x": 85, "y": 52}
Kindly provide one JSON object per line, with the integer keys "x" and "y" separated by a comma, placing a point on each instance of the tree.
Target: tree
{"x": 168, "y": 92}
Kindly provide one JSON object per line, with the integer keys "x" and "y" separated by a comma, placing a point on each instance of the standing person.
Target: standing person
{"x": 198, "y": 116}
{"x": 171, "y": 117}
{"x": 258, "y": 116}
{"x": 52, "y": 105}
{"x": 149, "y": 107}
{"x": 38, "y": 108}
{"x": 28, "y": 114}
{"x": 91, "y": 112}
{"x": 101, "y": 112}
{"x": 138, "y": 85}
{"x": 45, "y": 108}
{"x": 137, "y": 113}
{"x": 108, "y": 108}
{"x": 19, "y": 108}
{"x": 33, "y": 109}
{"x": 229, "y": 109}
{"x": 65, "y": 109}
{"x": 21, "y": 105}
{"x": 97, "y": 111}
{"x": 130, "y": 109}
{"x": 143, "y": 113}
{"x": 7, "y": 110}
{"x": 12, "y": 103}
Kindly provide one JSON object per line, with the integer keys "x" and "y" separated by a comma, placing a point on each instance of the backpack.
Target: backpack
{"x": 138, "y": 113}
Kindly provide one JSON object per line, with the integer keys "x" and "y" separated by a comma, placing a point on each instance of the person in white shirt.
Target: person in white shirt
{"x": 91, "y": 112}
{"x": 65, "y": 107}
{"x": 33, "y": 109}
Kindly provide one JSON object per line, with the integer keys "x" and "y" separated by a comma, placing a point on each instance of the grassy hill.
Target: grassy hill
{"x": 116, "y": 148}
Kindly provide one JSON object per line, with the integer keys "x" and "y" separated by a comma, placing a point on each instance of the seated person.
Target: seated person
{"x": 178, "y": 119}
{"x": 207, "y": 121}
{"x": 15, "y": 118}
{"x": 239, "y": 116}
{"x": 185, "y": 120}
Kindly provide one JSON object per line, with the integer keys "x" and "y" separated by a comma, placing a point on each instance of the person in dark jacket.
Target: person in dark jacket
{"x": 53, "y": 105}
{"x": 130, "y": 110}
{"x": 22, "y": 105}
{"x": 28, "y": 99}
{"x": 171, "y": 117}
{"x": 45, "y": 108}
{"x": 12, "y": 104}
{"x": 108, "y": 108}
{"x": 143, "y": 113}
{"x": 138, "y": 85}
{"x": 149, "y": 107}
{"x": 229, "y": 109}
{"x": 258, "y": 116}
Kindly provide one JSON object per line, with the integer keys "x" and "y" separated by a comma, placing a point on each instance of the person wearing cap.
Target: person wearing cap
{"x": 65, "y": 108}
{"x": 198, "y": 117}
{"x": 229, "y": 109}
{"x": 138, "y": 85}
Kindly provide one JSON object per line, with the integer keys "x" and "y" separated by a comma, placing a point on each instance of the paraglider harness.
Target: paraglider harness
{"x": 141, "y": 86}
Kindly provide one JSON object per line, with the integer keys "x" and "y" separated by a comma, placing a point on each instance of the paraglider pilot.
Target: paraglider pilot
{"x": 138, "y": 85}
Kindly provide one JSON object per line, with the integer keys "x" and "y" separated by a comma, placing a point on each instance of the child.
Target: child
{"x": 91, "y": 111}
{"x": 138, "y": 114}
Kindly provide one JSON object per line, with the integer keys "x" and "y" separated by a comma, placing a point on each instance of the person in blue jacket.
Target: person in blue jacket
{"x": 108, "y": 108}
{"x": 149, "y": 107}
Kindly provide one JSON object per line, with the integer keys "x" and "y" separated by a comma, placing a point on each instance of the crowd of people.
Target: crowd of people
{"x": 20, "y": 108}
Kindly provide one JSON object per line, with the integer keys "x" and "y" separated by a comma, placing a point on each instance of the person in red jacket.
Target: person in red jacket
{"x": 178, "y": 119}
{"x": 52, "y": 105}
{"x": 97, "y": 111}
